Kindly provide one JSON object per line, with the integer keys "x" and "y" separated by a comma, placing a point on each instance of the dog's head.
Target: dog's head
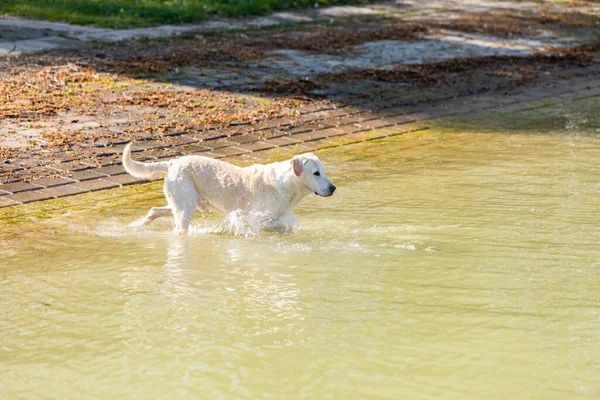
{"x": 309, "y": 169}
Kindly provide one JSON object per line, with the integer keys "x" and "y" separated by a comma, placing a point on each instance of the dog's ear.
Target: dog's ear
{"x": 297, "y": 165}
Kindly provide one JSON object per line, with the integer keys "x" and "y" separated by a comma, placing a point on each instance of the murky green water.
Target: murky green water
{"x": 445, "y": 266}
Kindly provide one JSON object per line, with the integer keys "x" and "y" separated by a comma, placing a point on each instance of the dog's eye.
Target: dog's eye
{"x": 317, "y": 173}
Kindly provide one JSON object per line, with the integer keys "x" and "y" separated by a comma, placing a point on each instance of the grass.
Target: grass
{"x": 140, "y": 13}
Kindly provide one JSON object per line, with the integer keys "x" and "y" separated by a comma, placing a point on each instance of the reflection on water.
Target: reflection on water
{"x": 450, "y": 266}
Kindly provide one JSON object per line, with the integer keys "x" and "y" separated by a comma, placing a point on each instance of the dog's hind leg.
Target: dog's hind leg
{"x": 154, "y": 213}
{"x": 157, "y": 212}
{"x": 183, "y": 200}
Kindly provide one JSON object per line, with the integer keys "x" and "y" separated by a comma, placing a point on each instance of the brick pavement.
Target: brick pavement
{"x": 320, "y": 129}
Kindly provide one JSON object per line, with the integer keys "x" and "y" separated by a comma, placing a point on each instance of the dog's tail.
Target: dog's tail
{"x": 143, "y": 170}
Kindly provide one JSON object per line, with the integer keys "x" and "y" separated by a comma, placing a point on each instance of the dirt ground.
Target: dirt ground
{"x": 84, "y": 102}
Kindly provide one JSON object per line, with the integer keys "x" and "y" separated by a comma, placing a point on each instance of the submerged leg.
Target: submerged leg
{"x": 182, "y": 219}
{"x": 183, "y": 200}
{"x": 284, "y": 223}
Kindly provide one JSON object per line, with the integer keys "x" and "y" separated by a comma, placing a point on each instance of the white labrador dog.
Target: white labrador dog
{"x": 206, "y": 184}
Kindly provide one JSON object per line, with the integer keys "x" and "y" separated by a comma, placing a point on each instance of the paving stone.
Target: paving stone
{"x": 17, "y": 187}
{"x": 374, "y": 124}
{"x": 69, "y": 166}
{"x": 228, "y": 151}
{"x": 580, "y": 85}
{"x": 111, "y": 170}
{"x": 308, "y": 136}
{"x": 462, "y": 106}
{"x": 521, "y": 97}
{"x": 348, "y": 120}
{"x": 367, "y": 116}
{"x": 283, "y": 141}
{"x": 332, "y": 121}
{"x": 279, "y": 122}
{"x": 299, "y": 129}
{"x": 539, "y": 92}
{"x": 591, "y": 88}
{"x": 522, "y": 107}
{"x": 257, "y": 146}
{"x": 193, "y": 149}
{"x": 181, "y": 140}
{"x": 217, "y": 143}
{"x": 407, "y": 110}
{"x": 83, "y": 175}
{"x": 324, "y": 114}
{"x": 558, "y": 90}
{"x": 346, "y": 129}
{"x": 235, "y": 130}
{"x": 582, "y": 82}
{"x": 563, "y": 96}
{"x": 12, "y": 177}
{"x": 124, "y": 179}
{"x": 332, "y": 132}
{"x": 167, "y": 152}
{"x": 64, "y": 190}
{"x": 26, "y": 175}
{"x": 31, "y": 162}
{"x": 101, "y": 161}
{"x": 96, "y": 184}
{"x": 7, "y": 202}
{"x": 50, "y": 181}
{"x": 109, "y": 150}
{"x": 404, "y": 128}
{"x": 321, "y": 144}
{"x": 321, "y": 125}
{"x": 145, "y": 145}
{"x": 9, "y": 165}
{"x": 244, "y": 138}
{"x": 488, "y": 101}
{"x": 272, "y": 133}
{"x": 403, "y": 119}
{"x": 186, "y": 148}
{"x": 31, "y": 195}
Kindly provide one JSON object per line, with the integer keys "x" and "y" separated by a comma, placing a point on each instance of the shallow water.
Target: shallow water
{"x": 445, "y": 266}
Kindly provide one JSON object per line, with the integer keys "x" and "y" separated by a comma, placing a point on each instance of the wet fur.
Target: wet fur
{"x": 206, "y": 184}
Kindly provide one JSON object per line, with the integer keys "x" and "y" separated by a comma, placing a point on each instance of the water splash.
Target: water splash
{"x": 237, "y": 223}
{"x": 245, "y": 223}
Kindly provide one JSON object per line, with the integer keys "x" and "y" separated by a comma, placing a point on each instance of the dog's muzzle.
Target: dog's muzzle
{"x": 331, "y": 190}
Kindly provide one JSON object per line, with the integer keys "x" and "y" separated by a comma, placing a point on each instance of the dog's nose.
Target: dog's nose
{"x": 332, "y": 188}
